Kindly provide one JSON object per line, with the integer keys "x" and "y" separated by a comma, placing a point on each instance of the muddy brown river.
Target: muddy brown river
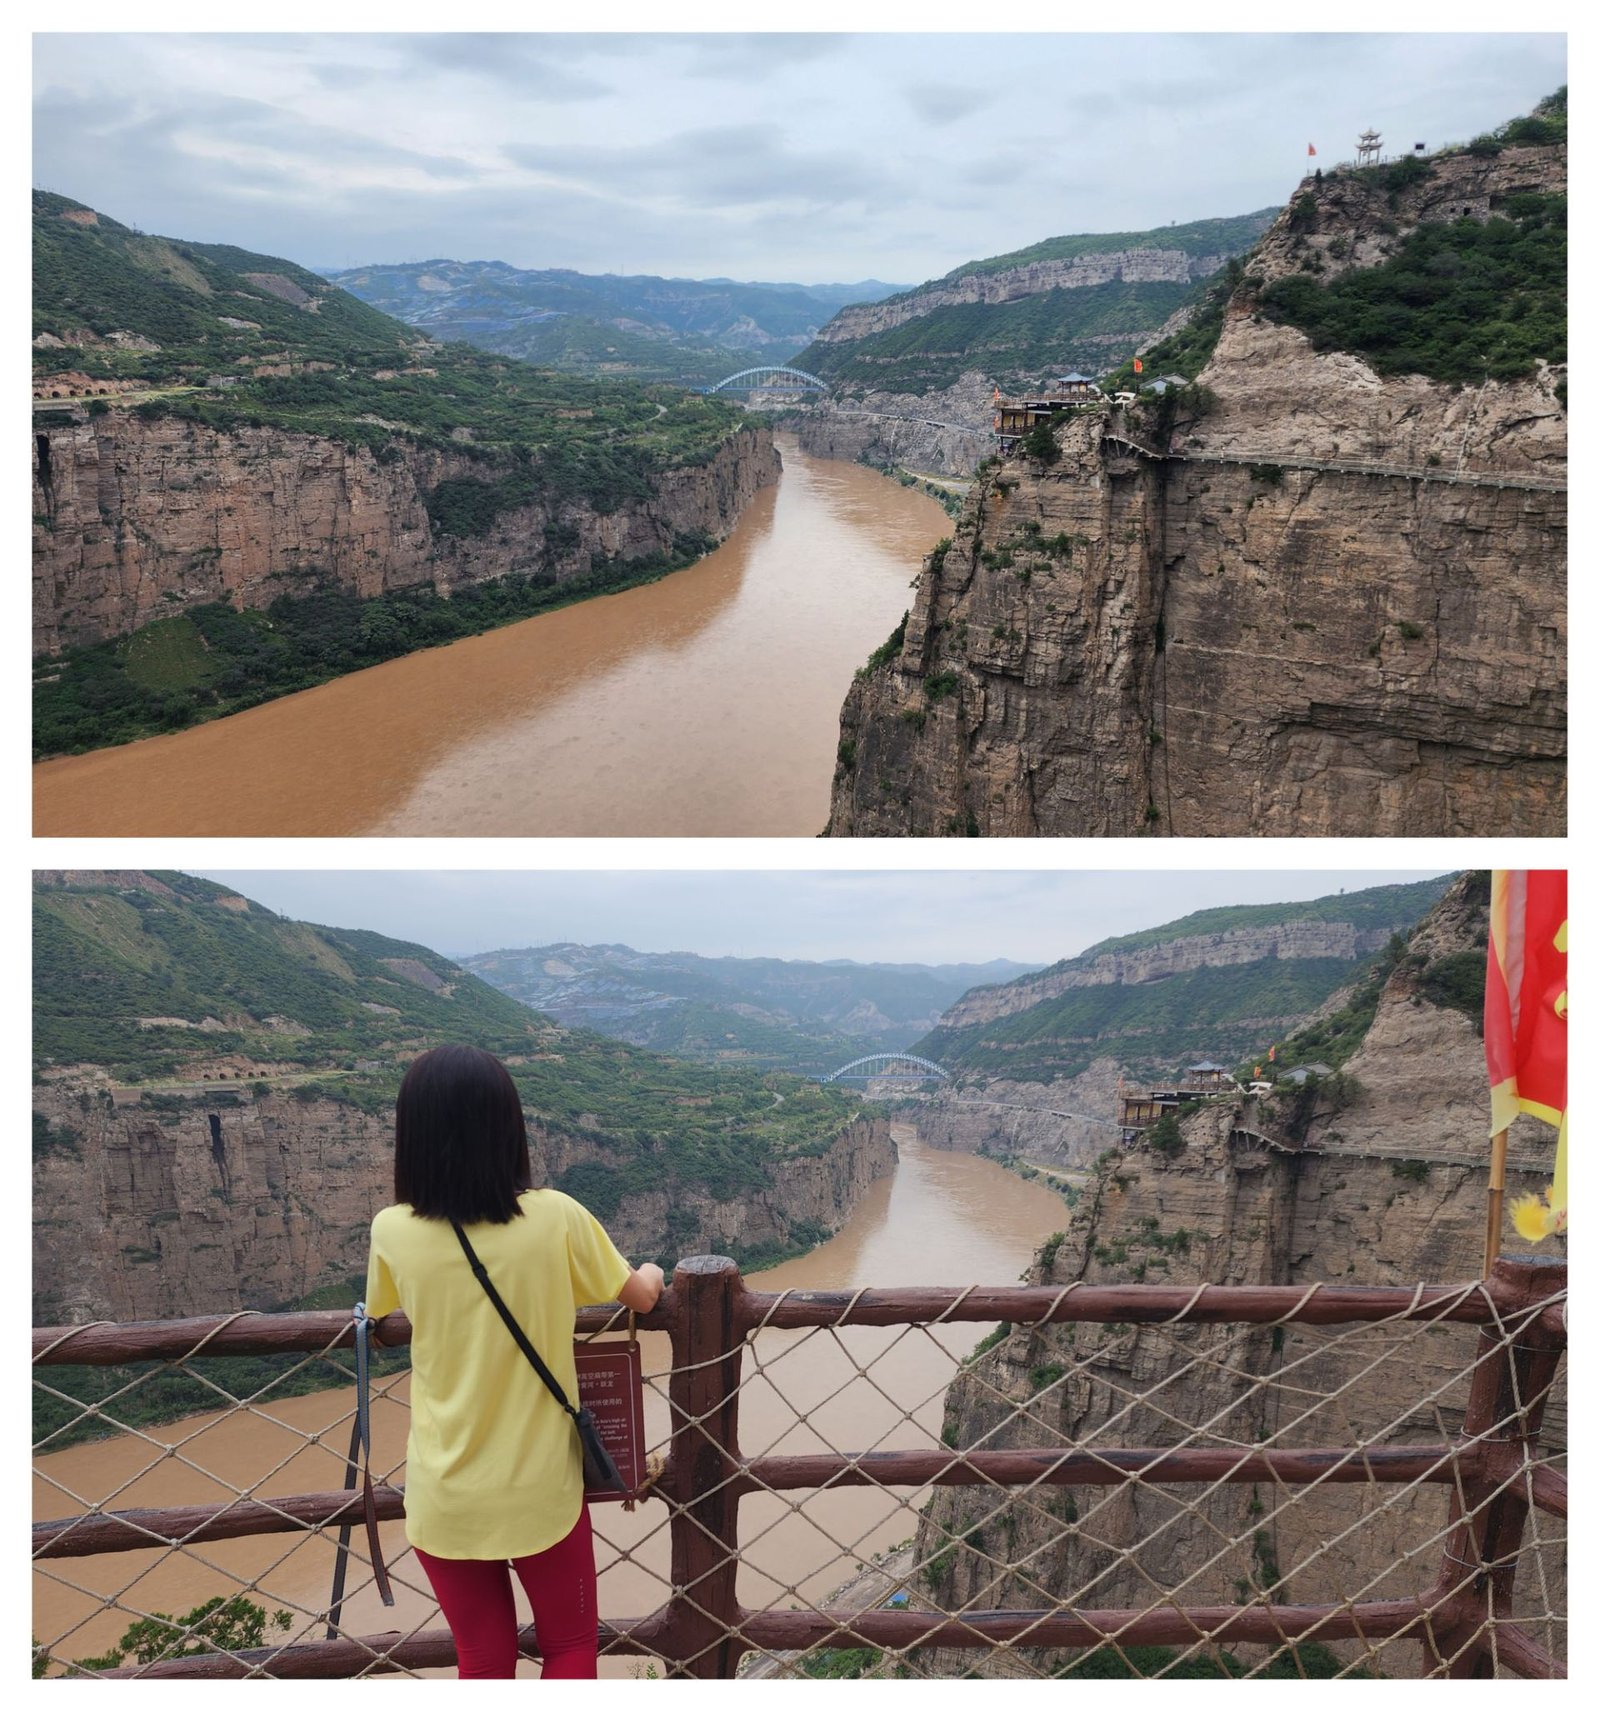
{"x": 943, "y": 1218}
{"x": 704, "y": 704}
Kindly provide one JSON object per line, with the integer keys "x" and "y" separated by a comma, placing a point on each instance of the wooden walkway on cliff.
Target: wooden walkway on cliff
{"x": 1352, "y": 1390}
{"x": 1341, "y": 466}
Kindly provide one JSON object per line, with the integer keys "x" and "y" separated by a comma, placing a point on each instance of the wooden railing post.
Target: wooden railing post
{"x": 698, "y": 1635}
{"x": 1505, "y": 1411}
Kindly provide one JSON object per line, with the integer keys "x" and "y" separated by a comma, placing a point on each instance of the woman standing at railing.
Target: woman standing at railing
{"x": 494, "y": 1474}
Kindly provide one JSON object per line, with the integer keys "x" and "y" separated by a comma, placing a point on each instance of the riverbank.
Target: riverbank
{"x": 557, "y": 725}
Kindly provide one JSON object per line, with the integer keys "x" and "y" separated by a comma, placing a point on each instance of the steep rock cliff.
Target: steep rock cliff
{"x": 1135, "y": 638}
{"x": 137, "y": 520}
{"x": 946, "y": 432}
{"x": 1383, "y": 1180}
{"x": 209, "y": 1200}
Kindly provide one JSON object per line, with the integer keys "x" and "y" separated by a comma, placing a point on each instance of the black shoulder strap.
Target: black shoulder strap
{"x": 510, "y": 1319}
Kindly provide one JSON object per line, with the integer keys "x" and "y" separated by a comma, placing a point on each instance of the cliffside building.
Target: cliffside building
{"x": 1015, "y": 416}
{"x": 1203, "y": 1081}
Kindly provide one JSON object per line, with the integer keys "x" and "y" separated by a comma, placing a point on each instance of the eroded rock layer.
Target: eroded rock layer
{"x": 1200, "y": 627}
{"x": 139, "y": 520}
{"x": 211, "y": 1200}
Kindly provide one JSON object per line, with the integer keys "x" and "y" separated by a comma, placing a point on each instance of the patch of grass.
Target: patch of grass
{"x": 169, "y": 654}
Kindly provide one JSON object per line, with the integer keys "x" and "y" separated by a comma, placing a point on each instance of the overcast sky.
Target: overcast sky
{"x": 919, "y": 917}
{"x": 801, "y": 157}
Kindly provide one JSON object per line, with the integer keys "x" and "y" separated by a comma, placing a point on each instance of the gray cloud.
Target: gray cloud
{"x": 944, "y": 103}
{"x": 767, "y": 156}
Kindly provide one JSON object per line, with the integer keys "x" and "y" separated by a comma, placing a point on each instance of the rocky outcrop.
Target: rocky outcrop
{"x": 210, "y": 1200}
{"x": 1069, "y": 1122}
{"x": 1030, "y": 279}
{"x": 139, "y": 520}
{"x": 941, "y": 433}
{"x": 1207, "y": 632}
{"x": 809, "y": 1196}
{"x": 1379, "y": 1179}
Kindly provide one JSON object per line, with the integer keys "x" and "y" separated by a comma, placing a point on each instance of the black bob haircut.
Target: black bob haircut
{"x": 460, "y": 1142}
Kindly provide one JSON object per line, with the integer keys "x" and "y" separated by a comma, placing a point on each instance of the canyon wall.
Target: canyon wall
{"x": 1380, "y": 1179}
{"x": 1288, "y": 939}
{"x": 209, "y": 1200}
{"x": 1028, "y": 279}
{"x": 948, "y": 432}
{"x": 1137, "y": 639}
{"x": 1113, "y": 646}
{"x": 137, "y": 520}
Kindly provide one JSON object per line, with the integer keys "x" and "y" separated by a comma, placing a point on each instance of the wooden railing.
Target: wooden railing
{"x": 1461, "y": 1622}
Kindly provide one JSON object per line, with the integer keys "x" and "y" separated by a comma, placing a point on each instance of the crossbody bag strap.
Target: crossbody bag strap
{"x": 510, "y": 1319}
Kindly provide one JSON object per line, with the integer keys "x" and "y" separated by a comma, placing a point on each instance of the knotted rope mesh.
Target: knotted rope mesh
{"x": 1391, "y": 1518}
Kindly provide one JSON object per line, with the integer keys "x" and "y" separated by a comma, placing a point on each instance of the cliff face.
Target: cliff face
{"x": 1138, "y": 639}
{"x": 140, "y": 520}
{"x": 941, "y": 433}
{"x": 1389, "y": 1188}
{"x": 1290, "y": 939}
{"x": 1030, "y": 279}
{"x": 208, "y": 1202}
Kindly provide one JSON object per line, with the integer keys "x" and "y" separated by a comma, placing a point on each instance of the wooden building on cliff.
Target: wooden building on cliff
{"x": 1014, "y": 417}
{"x": 1203, "y": 1081}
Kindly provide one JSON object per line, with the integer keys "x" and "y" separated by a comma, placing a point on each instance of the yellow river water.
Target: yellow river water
{"x": 704, "y": 704}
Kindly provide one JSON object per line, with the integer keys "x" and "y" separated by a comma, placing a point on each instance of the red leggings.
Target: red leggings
{"x": 476, "y": 1598}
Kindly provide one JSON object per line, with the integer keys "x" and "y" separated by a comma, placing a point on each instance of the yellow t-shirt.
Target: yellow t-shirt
{"x": 493, "y": 1467}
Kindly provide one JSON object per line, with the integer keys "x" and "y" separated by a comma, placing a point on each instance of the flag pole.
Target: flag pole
{"x": 1497, "y": 1194}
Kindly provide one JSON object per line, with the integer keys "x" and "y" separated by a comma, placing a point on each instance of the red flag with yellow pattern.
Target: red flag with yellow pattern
{"x": 1525, "y": 1023}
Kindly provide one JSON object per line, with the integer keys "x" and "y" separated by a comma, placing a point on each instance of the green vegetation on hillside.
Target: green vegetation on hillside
{"x": 1226, "y": 1011}
{"x": 1194, "y": 238}
{"x": 1455, "y": 302}
{"x": 1016, "y": 343}
{"x": 1188, "y": 350}
{"x": 353, "y": 373}
{"x": 284, "y": 991}
{"x": 215, "y": 660}
{"x": 1206, "y": 1010}
{"x": 1020, "y": 342}
{"x": 142, "y": 982}
{"x": 1371, "y": 907}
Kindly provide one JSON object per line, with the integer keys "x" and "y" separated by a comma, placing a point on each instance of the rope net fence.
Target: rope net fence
{"x": 1108, "y": 1480}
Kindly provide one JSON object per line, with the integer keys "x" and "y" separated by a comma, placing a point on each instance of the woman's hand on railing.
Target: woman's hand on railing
{"x": 643, "y": 1288}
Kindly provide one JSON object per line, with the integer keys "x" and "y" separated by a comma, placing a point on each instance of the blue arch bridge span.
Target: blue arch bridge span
{"x": 889, "y": 1067}
{"x": 772, "y": 378}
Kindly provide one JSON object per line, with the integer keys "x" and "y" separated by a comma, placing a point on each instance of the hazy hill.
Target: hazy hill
{"x": 754, "y": 1010}
{"x": 1222, "y": 983}
{"x": 693, "y": 331}
{"x": 163, "y": 981}
{"x": 226, "y": 337}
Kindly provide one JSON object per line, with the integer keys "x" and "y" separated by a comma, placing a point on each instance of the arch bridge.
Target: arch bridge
{"x": 860, "y": 1069}
{"x": 773, "y": 378}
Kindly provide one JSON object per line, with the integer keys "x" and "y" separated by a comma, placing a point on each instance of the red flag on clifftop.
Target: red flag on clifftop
{"x": 1138, "y": 367}
{"x": 1311, "y": 148}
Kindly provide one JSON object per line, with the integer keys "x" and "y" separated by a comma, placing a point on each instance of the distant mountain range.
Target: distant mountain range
{"x": 757, "y": 1011}
{"x": 690, "y": 330}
